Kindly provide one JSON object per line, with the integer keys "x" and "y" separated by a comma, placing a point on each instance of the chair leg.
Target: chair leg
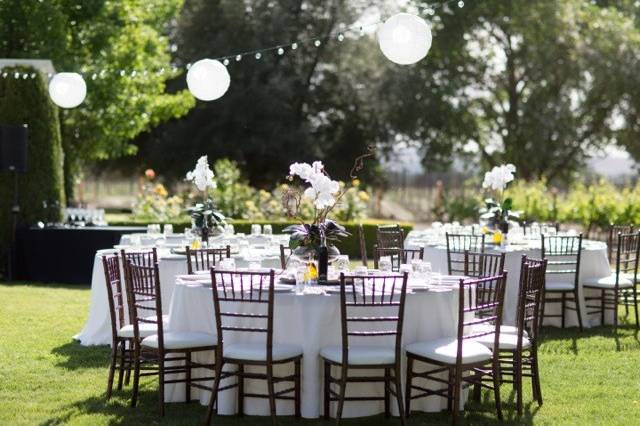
{"x": 187, "y": 385}
{"x": 398, "y": 385}
{"x": 450, "y": 391}
{"x": 535, "y": 375}
{"x": 272, "y": 396}
{"x": 517, "y": 380}
{"x": 214, "y": 392}
{"x": 161, "y": 382}
{"x": 407, "y": 392}
{"x": 125, "y": 362}
{"x": 343, "y": 391}
{"x": 563, "y": 307}
{"x": 615, "y": 308}
{"x": 387, "y": 394}
{"x": 603, "y": 295}
{"x": 112, "y": 367}
{"x": 576, "y": 299}
{"x": 496, "y": 388}
{"x": 626, "y": 304}
{"x": 136, "y": 375}
{"x": 457, "y": 383}
{"x": 635, "y": 304}
{"x": 298, "y": 389}
{"x": 240, "y": 390}
{"x": 326, "y": 389}
{"x": 129, "y": 362}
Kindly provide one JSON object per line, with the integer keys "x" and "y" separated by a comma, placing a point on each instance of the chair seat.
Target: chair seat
{"x": 507, "y": 342}
{"x": 361, "y": 355}
{"x": 445, "y": 350}
{"x": 182, "y": 340}
{"x": 258, "y": 351}
{"x": 608, "y": 282}
{"x": 145, "y": 330}
{"x": 504, "y": 329}
{"x": 558, "y": 286}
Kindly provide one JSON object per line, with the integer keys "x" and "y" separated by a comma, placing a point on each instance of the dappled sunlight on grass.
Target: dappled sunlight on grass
{"x": 48, "y": 379}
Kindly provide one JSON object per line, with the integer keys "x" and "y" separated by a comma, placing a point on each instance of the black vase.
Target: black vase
{"x": 504, "y": 227}
{"x": 323, "y": 264}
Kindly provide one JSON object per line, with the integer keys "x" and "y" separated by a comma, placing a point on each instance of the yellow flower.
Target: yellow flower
{"x": 484, "y": 230}
{"x": 363, "y": 196}
{"x": 160, "y": 190}
{"x": 497, "y": 237}
{"x": 355, "y": 182}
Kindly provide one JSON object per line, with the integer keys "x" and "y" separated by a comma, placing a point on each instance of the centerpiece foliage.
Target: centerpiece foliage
{"x": 498, "y": 211}
{"x": 204, "y": 215}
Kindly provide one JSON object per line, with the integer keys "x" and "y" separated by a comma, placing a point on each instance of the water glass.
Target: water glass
{"x": 300, "y": 281}
{"x": 228, "y": 264}
{"x": 342, "y": 263}
{"x": 384, "y": 264}
{"x": 405, "y": 267}
{"x": 229, "y": 229}
{"x": 168, "y": 229}
{"x": 256, "y": 229}
{"x": 267, "y": 229}
{"x": 361, "y": 271}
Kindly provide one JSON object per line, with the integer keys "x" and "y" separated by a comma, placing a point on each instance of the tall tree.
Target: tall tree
{"x": 541, "y": 84}
{"x": 305, "y": 104}
{"x": 122, "y": 49}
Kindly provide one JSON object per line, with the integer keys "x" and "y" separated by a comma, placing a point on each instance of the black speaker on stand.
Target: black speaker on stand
{"x": 13, "y": 159}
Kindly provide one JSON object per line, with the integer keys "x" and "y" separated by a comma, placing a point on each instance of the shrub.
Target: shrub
{"x": 41, "y": 187}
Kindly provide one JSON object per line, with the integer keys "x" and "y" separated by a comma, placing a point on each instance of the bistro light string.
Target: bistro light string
{"x": 403, "y": 38}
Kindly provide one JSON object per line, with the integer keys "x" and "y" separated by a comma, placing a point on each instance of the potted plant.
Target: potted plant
{"x": 499, "y": 210}
{"x": 205, "y": 219}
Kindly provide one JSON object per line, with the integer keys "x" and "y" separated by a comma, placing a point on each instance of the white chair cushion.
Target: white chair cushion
{"x": 361, "y": 355}
{"x": 608, "y": 282}
{"x": 182, "y": 340}
{"x": 165, "y": 318}
{"x": 445, "y": 350}
{"x": 506, "y": 341}
{"x": 258, "y": 351}
{"x": 504, "y": 329}
{"x": 145, "y": 330}
{"x": 556, "y": 286}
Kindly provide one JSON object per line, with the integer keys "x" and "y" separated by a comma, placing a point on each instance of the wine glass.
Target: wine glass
{"x": 384, "y": 264}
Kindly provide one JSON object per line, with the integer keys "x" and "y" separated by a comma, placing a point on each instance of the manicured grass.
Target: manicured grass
{"x": 47, "y": 378}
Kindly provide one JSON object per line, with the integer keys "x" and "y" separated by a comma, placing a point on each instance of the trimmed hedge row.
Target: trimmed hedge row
{"x": 350, "y": 245}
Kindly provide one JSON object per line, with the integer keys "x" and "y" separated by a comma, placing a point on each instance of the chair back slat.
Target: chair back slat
{"x": 372, "y": 300}
{"x": 627, "y": 256}
{"x": 530, "y": 294}
{"x": 285, "y": 254}
{"x": 563, "y": 254}
{"x": 473, "y": 310}
{"x": 612, "y": 239}
{"x": 480, "y": 265}
{"x": 363, "y": 245}
{"x": 206, "y": 258}
{"x": 113, "y": 281}
{"x": 457, "y": 244}
{"x": 398, "y": 256}
{"x": 237, "y": 296}
{"x": 143, "y": 291}
{"x": 389, "y": 236}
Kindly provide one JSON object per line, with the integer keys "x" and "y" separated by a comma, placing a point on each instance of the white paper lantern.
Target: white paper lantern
{"x": 208, "y": 79}
{"x": 67, "y": 89}
{"x": 404, "y": 38}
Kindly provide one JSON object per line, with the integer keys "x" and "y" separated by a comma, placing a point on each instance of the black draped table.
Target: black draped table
{"x": 64, "y": 254}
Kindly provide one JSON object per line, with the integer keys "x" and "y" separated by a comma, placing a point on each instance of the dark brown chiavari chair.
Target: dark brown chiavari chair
{"x": 121, "y": 346}
{"x": 563, "y": 254}
{"x": 612, "y": 239}
{"x": 363, "y": 245}
{"x": 457, "y": 244}
{"x": 150, "y": 353}
{"x": 285, "y": 254}
{"x": 619, "y": 285}
{"x": 398, "y": 256}
{"x": 519, "y": 350}
{"x": 358, "y": 297}
{"x": 459, "y": 355}
{"x": 480, "y": 265}
{"x": 250, "y": 294}
{"x": 389, "y": 236}
{"x": 206, "y": 258}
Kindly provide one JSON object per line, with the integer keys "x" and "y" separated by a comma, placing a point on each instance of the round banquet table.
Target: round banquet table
{"x": 97, "y": 328}
{"x": 593, "y": 264}
{"x": 311, "y": 321}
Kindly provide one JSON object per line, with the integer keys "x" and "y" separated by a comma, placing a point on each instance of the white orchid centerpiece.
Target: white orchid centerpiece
{"x": 204, "y": 214}
{"x": 499, "y": 210}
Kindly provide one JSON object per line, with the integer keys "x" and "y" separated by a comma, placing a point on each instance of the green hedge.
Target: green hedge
{"x": 27, "y": 101}
{"x": 348, "y": 246}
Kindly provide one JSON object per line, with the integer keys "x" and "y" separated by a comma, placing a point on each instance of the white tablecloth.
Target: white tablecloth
{"x": 312, "y": 322}
{"x": 593, "y": 264}
{"x": 97, "y": 329}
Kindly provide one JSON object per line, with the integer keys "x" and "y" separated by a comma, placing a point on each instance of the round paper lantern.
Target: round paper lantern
{"x": 208, "y": 79}
{"x": 404, "y": 38}
{"x": 67, "y": 89}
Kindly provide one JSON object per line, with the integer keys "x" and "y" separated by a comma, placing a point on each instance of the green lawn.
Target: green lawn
{"x": 47, "y": 378}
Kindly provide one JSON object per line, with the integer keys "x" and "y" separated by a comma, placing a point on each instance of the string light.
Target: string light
{"x": 280, "y": 51}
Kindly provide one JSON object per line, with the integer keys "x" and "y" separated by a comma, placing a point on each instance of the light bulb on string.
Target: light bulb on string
{"x": 225, "y": 62}
{"x": 280, "y": 51}
{"x": 460, "y": 4}
{"x": 317, "y": 43}
{"x": 340, "y": 37}
{"x": 238, "y": 58}
{"x": 294, "y": 46}
{"x": 258, "y": 55}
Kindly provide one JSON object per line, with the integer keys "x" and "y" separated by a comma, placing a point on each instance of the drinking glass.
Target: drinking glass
{"x": 168, "y": 229}
{"x": 229, "y": 229}
{"x": 384, "y": 264}
{"x": 405, "y": 267}
{"x": 300, "y": 281}
{"x": 267, "y": 229}
{"x": 361, "y": 271}
{"x": 228, "y": 264}
{"x": 256, "y": 229}
{"x": 342, "y": 263}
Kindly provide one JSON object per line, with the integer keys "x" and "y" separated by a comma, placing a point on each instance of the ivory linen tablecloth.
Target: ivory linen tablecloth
{"x": 312, "y": 322}
{"x": 593, "y": 264}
